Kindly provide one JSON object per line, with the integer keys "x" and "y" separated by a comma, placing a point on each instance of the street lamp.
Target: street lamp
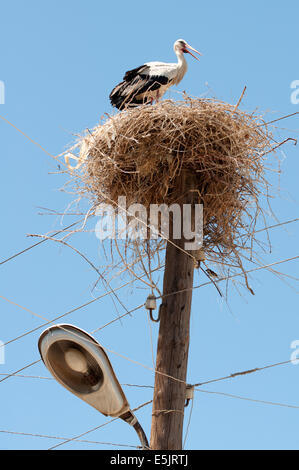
{"x": 78, "y": 362}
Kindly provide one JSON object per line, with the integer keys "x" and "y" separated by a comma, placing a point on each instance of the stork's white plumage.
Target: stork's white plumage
{"x": 150, "y": 81}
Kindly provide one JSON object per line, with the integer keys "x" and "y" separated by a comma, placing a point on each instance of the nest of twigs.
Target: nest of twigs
{"x": 140, "y": 153}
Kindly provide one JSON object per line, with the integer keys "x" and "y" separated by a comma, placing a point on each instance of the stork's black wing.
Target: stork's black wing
{"x": 131, "y": 74}
{"x": 135, "y": 83}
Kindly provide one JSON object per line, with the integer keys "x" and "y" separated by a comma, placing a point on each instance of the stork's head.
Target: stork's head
{"x": 182, "y": 47}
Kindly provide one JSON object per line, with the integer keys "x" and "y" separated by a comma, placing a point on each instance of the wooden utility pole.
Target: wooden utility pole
{"x": 173, "y": 341}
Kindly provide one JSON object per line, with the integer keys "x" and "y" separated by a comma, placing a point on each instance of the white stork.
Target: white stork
{"x": 150, "y": 81}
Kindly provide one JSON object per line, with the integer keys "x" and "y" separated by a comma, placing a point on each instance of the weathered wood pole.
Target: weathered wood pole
{"x": 173, "y": 341}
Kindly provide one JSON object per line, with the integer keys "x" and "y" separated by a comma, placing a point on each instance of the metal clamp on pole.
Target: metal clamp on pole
{"x": 150, "y": 305}
{"x": 189, "y": 394}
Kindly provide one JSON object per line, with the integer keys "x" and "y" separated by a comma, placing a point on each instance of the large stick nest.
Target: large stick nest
{"x": 139, "y": 153}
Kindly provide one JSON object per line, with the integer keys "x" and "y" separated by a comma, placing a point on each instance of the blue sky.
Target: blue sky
{"x": 59, "y": 62}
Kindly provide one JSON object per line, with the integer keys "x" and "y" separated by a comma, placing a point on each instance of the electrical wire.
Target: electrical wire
{"x": 229, "y": 277}
{"x": 97, "y": 427}
{"x": 70, "y": 312}
{"x": 20, "y": 370}
{"x": 246, "y": 372}
{"x": 38, "y": 243}
{"x": 26, "y": 376}
{"x": 23, "y": 308}
{"x": 16, "y": 433}
{"x": 188, "y": 424}
{"x": 118, "y": 318}
{"x": 199, "y": 384}
{"x": 238, "y": 397}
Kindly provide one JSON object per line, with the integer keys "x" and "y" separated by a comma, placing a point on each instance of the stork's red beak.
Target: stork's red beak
{"x": 189, "y": 49}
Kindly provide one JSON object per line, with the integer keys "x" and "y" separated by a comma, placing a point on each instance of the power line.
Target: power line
{"x": 98, "y": 427}
{"x": 70, "y": 312}
{"x": 85, "y": 259}
{"x": 230, "y": 277}
{"x": 81, "y": 220}
{"x": 264, "y": 402}
{"x": 158, "y": 372}
{"x": 246, "y": 372}
{"x": 26, "y": 367}
{"x": 237, "y": 397}
{"x": 16, "y": 433}
{"x": 38, "y": 243}
{"x": 138, "y": 386}
{"x": 26, "y": 376}
{"x": 277, "y": 225}
{"x": 118, "y": 318}
{"x": 199, "y": 384}
{"x": 29, "y": 365}
{"x": 279, "y": 119}
{"x": 23, "y": 308}
{"x": 188, "y": 424}
{"x": 20, "y": 370}
{"x": 237, "y": 374}
{"x": 29, "y": 138}
{"x": 21, "y": 376}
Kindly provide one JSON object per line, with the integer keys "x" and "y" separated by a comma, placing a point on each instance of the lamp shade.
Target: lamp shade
{"x": 79, "y": 363}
